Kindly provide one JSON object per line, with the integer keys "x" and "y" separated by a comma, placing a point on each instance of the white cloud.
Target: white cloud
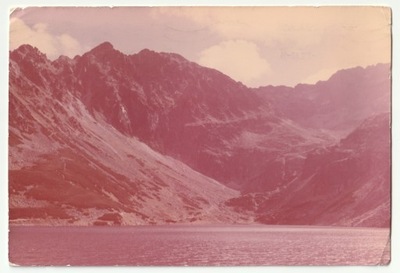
{"x": 238, "y": 59}
{"x": 265, "y": 25}
{"x": 39, "y": 36}
{"x": 301, "y": 43}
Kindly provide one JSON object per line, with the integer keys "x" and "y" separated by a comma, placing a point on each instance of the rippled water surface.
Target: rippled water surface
{"x": 198, "y": 245}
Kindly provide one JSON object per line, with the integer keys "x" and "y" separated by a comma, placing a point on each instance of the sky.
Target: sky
{"x": 258, "y": 46}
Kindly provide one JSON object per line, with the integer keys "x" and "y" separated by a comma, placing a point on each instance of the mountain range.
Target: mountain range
{"x": 151, "y": 138}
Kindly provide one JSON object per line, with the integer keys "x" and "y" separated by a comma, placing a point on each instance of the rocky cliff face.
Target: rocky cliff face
{"x": 110, "y": 138}
{"x": 339, "y": 104}
{"x": 346, "y": 184}
{"x": 70, "y": 165}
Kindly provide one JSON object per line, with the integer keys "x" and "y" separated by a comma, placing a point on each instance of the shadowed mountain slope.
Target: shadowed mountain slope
{"x": 153, "y": 138}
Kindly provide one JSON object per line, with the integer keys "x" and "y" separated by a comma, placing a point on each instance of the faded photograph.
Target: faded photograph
{"x": 200, "y": 136}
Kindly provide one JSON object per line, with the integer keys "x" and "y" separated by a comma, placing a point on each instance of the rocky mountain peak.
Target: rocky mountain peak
{"x": 103, "y": 47}
{"x": 104, "y": 54}
{"x": 28, "y": 53}
{"x": 130, "y": 131}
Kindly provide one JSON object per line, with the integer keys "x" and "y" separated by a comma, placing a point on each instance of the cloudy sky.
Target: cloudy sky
{"x": 258, "y": 46}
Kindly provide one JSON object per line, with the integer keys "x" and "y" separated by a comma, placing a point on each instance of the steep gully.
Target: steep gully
{"x": 108, "y": 138}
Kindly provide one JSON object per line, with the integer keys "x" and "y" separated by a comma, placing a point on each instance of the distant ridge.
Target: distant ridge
{"x": 152, "y": 138}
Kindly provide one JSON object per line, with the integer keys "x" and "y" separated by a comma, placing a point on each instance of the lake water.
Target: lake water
{"x": 198, "y": 245}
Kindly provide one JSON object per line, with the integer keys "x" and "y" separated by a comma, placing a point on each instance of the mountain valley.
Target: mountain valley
{"x": 151, "y": 138}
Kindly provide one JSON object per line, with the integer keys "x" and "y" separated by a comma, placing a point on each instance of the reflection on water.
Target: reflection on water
{"x": 198, "y": 245}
